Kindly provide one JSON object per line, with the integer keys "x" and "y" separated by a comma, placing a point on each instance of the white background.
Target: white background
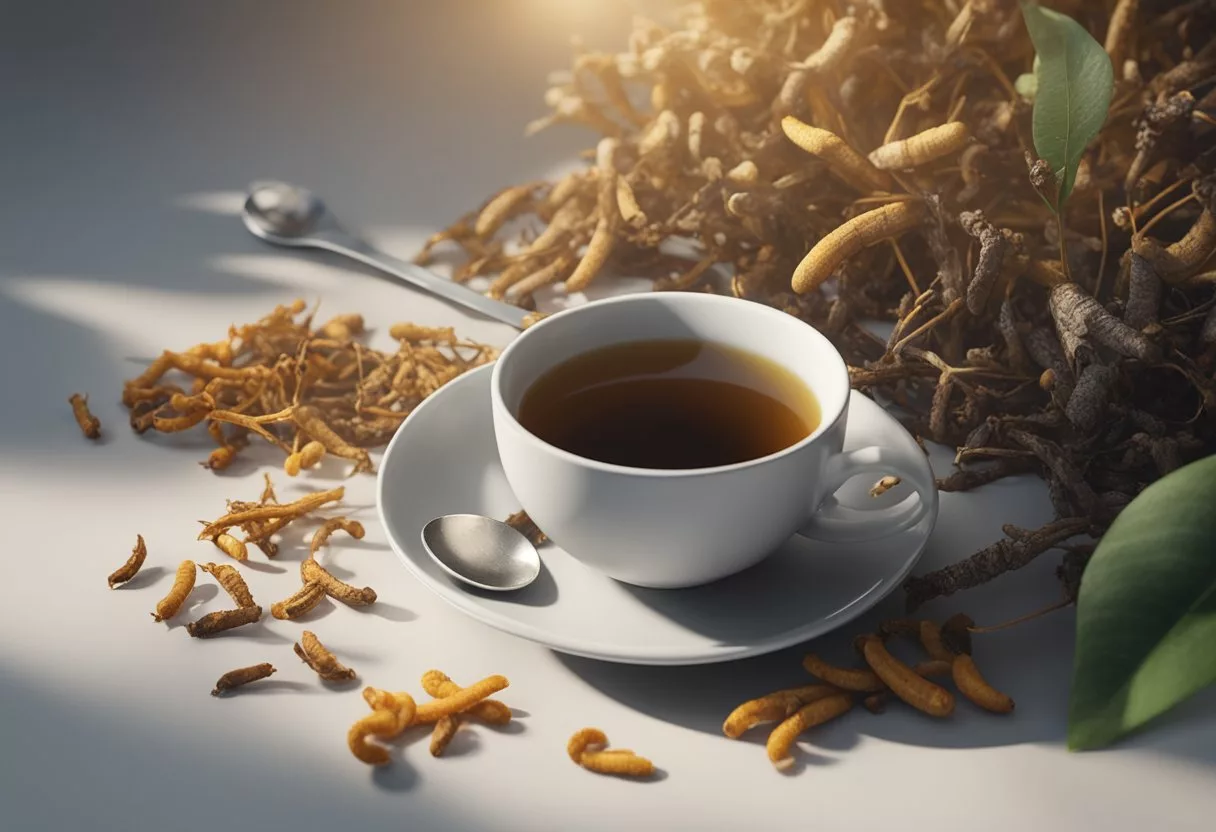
{"x": 127, "y": 131}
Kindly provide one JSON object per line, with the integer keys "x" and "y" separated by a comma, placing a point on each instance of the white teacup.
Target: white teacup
{"x": 678, "y": 528}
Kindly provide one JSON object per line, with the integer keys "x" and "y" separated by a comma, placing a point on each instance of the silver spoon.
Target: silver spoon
{"x": 288, "y": 215}
{"x": 481, "y": 551}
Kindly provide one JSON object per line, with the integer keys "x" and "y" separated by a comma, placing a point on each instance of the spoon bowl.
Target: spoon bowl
{"x": 481, "y": 552}
{"x": 283, "y": 214}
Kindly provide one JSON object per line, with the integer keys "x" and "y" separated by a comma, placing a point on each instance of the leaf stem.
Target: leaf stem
{"x": 1021, "y": 619}
{"x": 1063, "y": 252}
{"x": 1102, "y": 227}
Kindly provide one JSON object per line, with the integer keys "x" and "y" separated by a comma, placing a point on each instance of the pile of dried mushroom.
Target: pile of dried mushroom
{"x": 873, "y": 161}
{"x": 308, "y": 392}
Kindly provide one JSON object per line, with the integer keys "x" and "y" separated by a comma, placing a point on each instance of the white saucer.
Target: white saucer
{"x": 443, "y": 461}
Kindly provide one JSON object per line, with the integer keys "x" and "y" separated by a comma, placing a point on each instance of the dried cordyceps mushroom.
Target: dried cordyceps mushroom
{"x": 312, "y": 572}
{"x": 321, "y": 536}
{"x": 307, "y": 457}
{"x": 380, "y": 723}
{"x": 588, "y": 748}
{"x": 301, "y": 603}
{"x": 445, "y": 729}
{"x": 391, "y": 714}
{"x": 772, "y": 708}
{"x": 927, "y": 216}
{"x": 129, "y": 569}
{"x": 214, "y": 623}
{"x": 460, "y": 701}
{"x": 241, "y": 676}
{"x": 183, "y": 582}
{"x": 491, "y": 711}
{"x": 260, "y": 521}
{"x": 877, "y": 702}
{"x": 905, "y": 682}
{"x": 231, "y": 547}
{"x": 232, "y": 582}
{"x": 309, "y": 392}
{"x": 317, "y": 656}
{"x": 90, "y": 425}
{"x": 972, "y": 685}
{"x": 782, "y": 739}
{"x": 844, "y": 678}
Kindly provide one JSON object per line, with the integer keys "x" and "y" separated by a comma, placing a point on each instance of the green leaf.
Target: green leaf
{"x": 1074, "y": 85}
{"x": 1146, "y": 613}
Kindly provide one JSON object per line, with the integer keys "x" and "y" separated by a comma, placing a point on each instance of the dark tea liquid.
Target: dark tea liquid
{"x": 670, "y": 404}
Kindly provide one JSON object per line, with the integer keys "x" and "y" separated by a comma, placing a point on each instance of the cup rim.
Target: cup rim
{"x": 826, "y": 423}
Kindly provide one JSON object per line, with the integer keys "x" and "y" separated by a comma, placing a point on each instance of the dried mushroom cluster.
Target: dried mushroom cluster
{"x": 874, "y": 160}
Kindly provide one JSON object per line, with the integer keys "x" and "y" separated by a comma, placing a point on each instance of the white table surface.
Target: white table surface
{"x": 127, "y": 131}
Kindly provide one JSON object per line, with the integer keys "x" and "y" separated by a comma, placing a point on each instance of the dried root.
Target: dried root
{"x": 844, "y": 162}
{"x": 782, "y": 739}
{"x": 618, "y": 763}
{"x": 292, "y": 385}
{"x": 772, "y": 708}
{"x": 129, "y": 569}
{"x": 231, "y": 547}
{"x": 834, "y": 50}
{"x": 1078, "y": 315}
{"x": 845, "y": 678}
{"x": 183, "y": 582}
{"x": 604, "y": 237}
{"x": 321, "y": 536}
{"x": 850, "y": 238}
{"x": 587, "y": 748}
{"x": 307, "y": 457}
{"x": 301, "y": 603}
{"x": 905, "y": 683}
{"x": 989, "y": 562}
{"x": 314, "y": 654}
{"x": 499, "y": 209}
{"x": 584, "y": 740}
{"x": 383, "y": 723}
{"x": 460, "y": 701}
{"x": 931, "y": 639}
{"x": 993, "y": 246}
{"x": 232, "y": 582}
{"x": 90, "y": 425}
{"x": 217, "y": 622}
{"x": 241, "y": 676}
{"x": 925, "y": 147}
{"x": 257, "y": 519}
{"x": 972, "y": 685}
{"x": 313, "y": 572}
{"x": 490, "y": 711}
{"x": 312, "y": 423}
{"x": 445, "y": 729}
{"x": 876, "y": 703}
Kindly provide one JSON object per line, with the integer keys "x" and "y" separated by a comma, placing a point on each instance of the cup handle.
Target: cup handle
{"x": 833, "y": 522}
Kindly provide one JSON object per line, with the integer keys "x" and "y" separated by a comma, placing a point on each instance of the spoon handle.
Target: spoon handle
{"x": 346, "y": 244}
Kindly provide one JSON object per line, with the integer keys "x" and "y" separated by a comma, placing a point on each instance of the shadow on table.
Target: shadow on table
{"x": 81, "y": 751}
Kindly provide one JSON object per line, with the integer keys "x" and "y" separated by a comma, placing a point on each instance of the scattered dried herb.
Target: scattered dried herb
{"x": 309, "y": 392}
